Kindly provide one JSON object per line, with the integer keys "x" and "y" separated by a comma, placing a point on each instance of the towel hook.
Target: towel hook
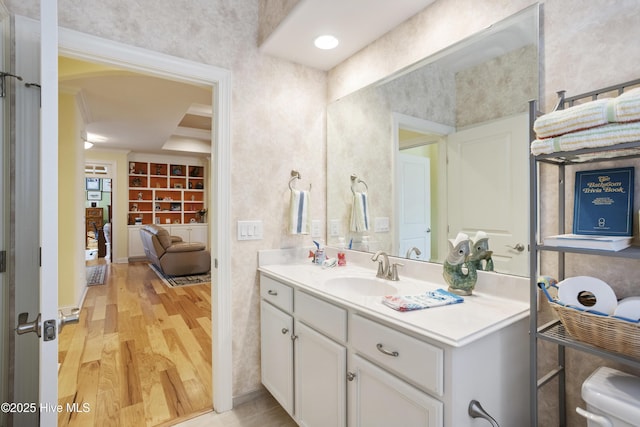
{"x": 295, "y": 175}
{"x": 355, "y": 181}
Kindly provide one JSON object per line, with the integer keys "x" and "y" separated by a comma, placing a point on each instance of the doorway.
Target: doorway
{"x": 82, "y": 46}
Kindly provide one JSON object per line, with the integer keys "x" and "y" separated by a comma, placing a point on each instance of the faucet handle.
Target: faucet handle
{"x": 393, "y": 271}
{"x": 381, "y": 272}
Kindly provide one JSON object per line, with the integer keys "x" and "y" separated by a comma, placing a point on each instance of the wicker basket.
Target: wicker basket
{"x": 602, "y": 331}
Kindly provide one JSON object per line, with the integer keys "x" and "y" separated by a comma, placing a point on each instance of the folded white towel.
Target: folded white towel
{"x": 360, "y": 212}
{"x": 299, "y": 219}
{"x": 584, "y": 116}
{"x": 603, "y": 136}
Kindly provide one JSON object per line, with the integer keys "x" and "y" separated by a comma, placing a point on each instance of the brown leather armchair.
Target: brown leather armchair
{"x": 173, "y": 256}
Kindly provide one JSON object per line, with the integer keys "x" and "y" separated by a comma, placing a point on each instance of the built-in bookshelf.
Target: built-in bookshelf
{"x": 166, "y": 193}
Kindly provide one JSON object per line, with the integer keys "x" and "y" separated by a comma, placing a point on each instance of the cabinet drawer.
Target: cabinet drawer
{"x": 322, "y": 316}
{"x": 417, "y": 361}
{"x": 276, "y": 293}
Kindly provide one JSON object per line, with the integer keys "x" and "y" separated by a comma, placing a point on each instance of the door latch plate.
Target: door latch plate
{"x": 49, "y": 330}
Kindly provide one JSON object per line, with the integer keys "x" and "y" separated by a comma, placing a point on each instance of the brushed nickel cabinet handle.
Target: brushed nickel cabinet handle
{"x": 272, "y": 292}
{"x": 351, "y": 376}
{"x": 383, "y": 350}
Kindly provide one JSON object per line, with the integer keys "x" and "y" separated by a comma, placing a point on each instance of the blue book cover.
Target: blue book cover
{"x": 604, "y": 202}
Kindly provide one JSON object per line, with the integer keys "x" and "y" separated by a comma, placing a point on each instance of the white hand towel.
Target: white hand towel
{"x": 360, "y": 212}
{"x": 299, "y": 220}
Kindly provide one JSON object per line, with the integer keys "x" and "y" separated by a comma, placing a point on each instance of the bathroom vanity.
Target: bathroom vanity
{"x": 334, "y": 355}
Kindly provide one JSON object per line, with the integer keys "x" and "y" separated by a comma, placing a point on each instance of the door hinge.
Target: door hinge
{"x": 3, "y": 261}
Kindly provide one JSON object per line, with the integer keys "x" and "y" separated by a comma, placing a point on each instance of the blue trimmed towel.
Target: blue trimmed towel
{"x": 299, "y": 219}
{"x": 360, "y": 212}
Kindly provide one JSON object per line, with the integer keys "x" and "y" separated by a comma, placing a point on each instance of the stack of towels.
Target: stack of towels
{"x": 360, "y": 212}
{"x": 599, "y": 123}
{"x": 299, "y": 219}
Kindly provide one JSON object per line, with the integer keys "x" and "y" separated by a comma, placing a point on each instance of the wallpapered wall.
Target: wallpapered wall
{"x": 278, "y": 107}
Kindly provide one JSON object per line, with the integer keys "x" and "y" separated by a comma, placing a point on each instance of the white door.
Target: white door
{"x": 489, "y": 188}
{"x": 36, "y": 187}
{"x": 414, "y": 210}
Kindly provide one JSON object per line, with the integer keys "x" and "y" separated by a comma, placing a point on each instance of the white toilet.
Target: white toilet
{"x": 612, "y": 397}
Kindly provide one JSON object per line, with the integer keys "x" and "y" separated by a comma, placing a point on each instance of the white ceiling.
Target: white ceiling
{"x": 138, "y": 112}
{"x": 356, "y": 23}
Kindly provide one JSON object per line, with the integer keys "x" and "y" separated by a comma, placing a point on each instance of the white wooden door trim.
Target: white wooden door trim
{"x": 87, "y": 47}
{"x": 416, "y": 124}
{"x": 48, "y": 394}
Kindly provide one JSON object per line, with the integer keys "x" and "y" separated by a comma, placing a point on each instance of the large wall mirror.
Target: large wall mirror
{"x": 440, "y": 148}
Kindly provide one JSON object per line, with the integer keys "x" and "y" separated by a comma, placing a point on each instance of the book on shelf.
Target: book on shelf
{"x": 606, "y": 243}
{"x": 604, "y": 202}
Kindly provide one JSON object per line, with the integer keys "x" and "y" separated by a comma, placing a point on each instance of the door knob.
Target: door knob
{"x": 63, "y": 319}
{"x": 518, "y": 247}
{"x": 24, "y": 326}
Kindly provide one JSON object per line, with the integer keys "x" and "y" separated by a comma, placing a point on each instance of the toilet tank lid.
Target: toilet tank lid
{"x": 613, "y": 392}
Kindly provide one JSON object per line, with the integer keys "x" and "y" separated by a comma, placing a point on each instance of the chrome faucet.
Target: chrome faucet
{"x": 413, "y": 249}
{"x": 386, "y": 270}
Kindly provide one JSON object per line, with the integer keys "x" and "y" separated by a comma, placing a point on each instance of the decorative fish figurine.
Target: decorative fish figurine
{"x": 460, "y": 282}
{"x": 480, "y": 252}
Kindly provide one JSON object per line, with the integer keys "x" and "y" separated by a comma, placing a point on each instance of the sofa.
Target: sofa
{"x": 171, "y": 255}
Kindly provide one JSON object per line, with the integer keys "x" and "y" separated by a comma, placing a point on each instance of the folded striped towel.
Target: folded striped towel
{"x": 299, "y": 219}
{"x": 627, "y": 106}
{"x": 624, "y": 108}
{"x": 360, "y": 212}
{"x": 603, "y": 136}
{"x": 584, "y": 116}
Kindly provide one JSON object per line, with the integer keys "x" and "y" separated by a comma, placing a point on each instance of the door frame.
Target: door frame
{"x": 83, "y": 46}
{"x": 403, "y": 121}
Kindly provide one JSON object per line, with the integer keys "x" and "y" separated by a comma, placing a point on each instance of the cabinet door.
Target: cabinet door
{"x": 377, "y": 398}
{"x": 276, "y": 352}
{"x": 199, "y": 233}
{"x": 135, "y": 243}
{"x": 182, "y": 231}
{"x": 320, "y": 373}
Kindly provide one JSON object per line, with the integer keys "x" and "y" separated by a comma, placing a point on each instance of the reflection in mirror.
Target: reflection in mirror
{"x": 443, "y": 147}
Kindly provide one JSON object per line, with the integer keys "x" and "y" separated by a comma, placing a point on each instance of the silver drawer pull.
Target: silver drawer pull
{"x": 272, "y": 292}
{"x": 387, "y": 352}
{"x": 351, "y": 376}
{"x": 284, "y": 331}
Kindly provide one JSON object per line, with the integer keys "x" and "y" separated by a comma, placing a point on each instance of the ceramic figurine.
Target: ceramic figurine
{"x": 480, "y": 254}
{"x": 460, "y": 282}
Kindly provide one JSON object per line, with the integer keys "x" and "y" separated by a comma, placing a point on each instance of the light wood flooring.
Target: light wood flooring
{"x": 141, "y": 353}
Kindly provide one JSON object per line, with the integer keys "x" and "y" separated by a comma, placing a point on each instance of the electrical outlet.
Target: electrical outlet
{"x": 316, "y": 228}
{"x": 382, "y": 225}
{"x": 334, "y": 228}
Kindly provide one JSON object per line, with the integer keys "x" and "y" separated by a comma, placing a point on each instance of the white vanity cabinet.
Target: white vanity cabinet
{"x": 302, "y": 359}
{"x": 395, "y": 374}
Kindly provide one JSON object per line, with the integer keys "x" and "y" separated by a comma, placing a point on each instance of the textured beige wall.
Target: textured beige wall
{"x": 585, "y": 45}
{"x": 271, "y": 14}
{"x": 277, "y": 124}
{"x": 278, "y": 108}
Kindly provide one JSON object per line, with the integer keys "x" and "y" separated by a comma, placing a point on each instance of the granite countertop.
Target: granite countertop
{"x": 497, "y": 301}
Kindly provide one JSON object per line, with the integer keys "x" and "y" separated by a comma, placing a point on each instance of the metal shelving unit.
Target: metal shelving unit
{"x": 554, "y": 331}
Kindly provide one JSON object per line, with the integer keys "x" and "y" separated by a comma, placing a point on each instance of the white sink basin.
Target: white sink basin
{"x": 360, "y": 286}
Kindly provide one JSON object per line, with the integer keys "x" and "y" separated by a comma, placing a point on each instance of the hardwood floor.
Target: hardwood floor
{"x": 140, "y": 355}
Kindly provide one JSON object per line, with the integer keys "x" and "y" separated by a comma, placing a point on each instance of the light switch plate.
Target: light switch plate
{"x": 250, "y": 230}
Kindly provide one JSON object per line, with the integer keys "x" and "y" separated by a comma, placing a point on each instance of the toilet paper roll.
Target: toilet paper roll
{"x": 629, "y": 308}
{"x": 570, "y": 289}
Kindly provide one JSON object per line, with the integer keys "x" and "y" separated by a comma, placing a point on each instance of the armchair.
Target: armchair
{"x": 171, "y": 255}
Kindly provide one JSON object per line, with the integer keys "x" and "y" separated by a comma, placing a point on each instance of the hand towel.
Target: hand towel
{"x": 299, "y": 219}
{"x": 360, "y": 212}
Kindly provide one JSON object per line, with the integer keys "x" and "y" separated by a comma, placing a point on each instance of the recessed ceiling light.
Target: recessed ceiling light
{"x": 326, "y": 42}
